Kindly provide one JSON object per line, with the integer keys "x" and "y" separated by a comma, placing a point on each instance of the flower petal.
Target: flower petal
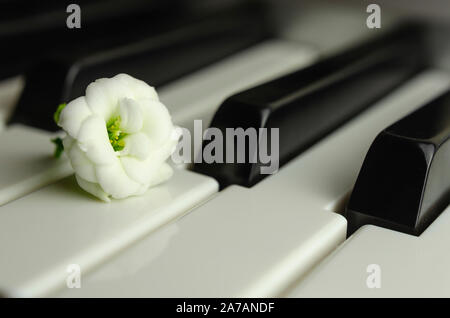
{"x": 163, "y": 174}
{"x": 83, "y": 167}
{"x": 93, "y": 140}
{"x": 144, "y": 171}
{"x": 137, "y": 145}
{"x": 68, "y": 143}
{"x": 145, "y": 124}
{"x": 169, "y": 147}
{"x": 73, "y": 116}
{"x": 92, "y": 188}
{"x": 113, "y": 179}
{"x": 131, "y": 119}
{"x": 99, "y": 101}
{"x": 157, "y": 122}
{"x": 140, "y": 89}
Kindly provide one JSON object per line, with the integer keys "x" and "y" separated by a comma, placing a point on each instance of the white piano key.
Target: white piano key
{"x": 217, "y": 249}
{"x": 27, "y": 163}
{"x": 187, "y": 98}
{"x": 409, "y": 266}
{"x": 255, "y": 242}
{"x": 10, "y": 90}
{"x": 44, "y": 232}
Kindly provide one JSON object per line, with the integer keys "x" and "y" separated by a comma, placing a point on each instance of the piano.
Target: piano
{"x": 358, "y": 205}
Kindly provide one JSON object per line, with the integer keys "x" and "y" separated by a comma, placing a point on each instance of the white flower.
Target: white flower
{"x": 118, "y": 137}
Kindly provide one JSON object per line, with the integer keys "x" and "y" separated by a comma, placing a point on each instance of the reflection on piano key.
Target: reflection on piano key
{"x": 256, "y": 241}
{"x": 404, "y": 183}
{"x": 308, "y": 104}
{"x": 409, "y": 266}
{"x": 27, "y": 163}
{"x": 61, "y": 225}
{"x": 197, "y": 96}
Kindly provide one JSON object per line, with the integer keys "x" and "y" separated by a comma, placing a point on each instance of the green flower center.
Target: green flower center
{"x": 115, "y": 135}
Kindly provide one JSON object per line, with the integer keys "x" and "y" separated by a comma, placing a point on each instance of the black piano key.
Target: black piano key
{"x": 157, "y": 59}
{"x": 404, "y": 182}
{"x": 310, "y": 103}
{"x": 31, "y": 29}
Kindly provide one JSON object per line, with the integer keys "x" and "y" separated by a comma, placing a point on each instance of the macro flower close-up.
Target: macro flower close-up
{"x": 119, "y": 136}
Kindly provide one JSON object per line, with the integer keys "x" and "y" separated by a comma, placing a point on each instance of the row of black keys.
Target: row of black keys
{"x": 156, "y": 41}
{"x": 404, "y": 182}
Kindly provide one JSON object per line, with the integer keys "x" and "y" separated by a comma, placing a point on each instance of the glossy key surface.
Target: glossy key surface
{"x": 378, "y": 262}
{"x": 43, "y": 233}
{"x": 197, "y": 96}
{"x": 27, "y": 162}
{"x": 308, "y": 104}
{"x": 404, "y": 183}
{"x": 256, "y": 242}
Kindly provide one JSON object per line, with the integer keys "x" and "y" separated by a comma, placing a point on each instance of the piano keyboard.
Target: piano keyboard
{"x": 410, "y": 266}
{"x": 28, "y": 163}
{"x": 256, "y": 242}
{"x": 341, "y": 201}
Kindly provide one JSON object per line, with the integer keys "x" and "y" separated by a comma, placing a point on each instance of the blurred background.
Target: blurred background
{"x": 44, "y": 62}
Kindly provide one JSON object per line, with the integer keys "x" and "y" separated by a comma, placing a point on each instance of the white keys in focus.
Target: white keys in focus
{"x": 405, "y": 265}
{"x": 256, "y": 242}
{"x": 43, "y": 233}
{"x": 196, "y": 96}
